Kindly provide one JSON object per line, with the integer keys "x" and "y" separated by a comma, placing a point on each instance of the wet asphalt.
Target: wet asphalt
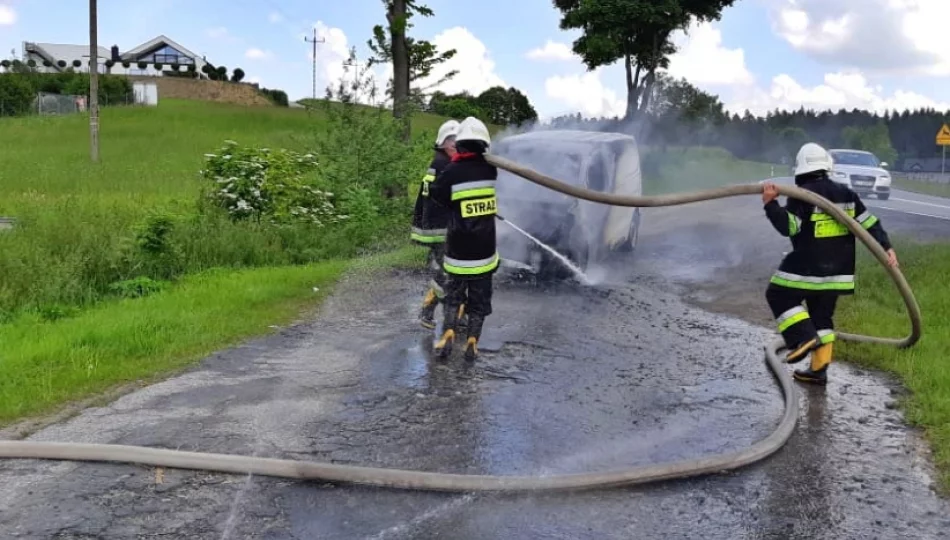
{"x": 662, "y": 361}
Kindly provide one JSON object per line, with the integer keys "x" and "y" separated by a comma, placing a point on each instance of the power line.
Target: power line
{"x": 314, "y": 40}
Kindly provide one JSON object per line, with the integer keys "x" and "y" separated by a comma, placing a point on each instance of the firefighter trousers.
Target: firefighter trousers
{"x": 800, "y": 323}
{"x": 438, "y": 278}
{"x": 475, "y": 293}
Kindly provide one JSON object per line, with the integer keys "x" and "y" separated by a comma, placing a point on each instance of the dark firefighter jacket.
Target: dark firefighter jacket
{"x": 822, "y": 257}
{"x": 467, "y": 188}
{"x": 429, "y": 219}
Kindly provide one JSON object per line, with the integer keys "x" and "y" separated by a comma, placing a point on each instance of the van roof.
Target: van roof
{"x": 572, "y": 135}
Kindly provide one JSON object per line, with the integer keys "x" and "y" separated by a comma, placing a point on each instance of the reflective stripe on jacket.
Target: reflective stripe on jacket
{"x": 822, "y": 257}
{"x": 467, "y": 187}
{"x": 429, "y": 219}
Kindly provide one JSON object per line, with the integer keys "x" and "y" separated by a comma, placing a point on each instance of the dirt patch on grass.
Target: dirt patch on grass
{"x": 220, "y": 91}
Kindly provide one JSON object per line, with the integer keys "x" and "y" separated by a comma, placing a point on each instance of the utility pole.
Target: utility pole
{"x": 314, "y": 40}
{"x": 93, "y": 81}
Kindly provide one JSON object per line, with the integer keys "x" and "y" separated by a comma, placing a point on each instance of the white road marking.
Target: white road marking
{"x": 920, "y": 202}
{"x": 947, "y": 218}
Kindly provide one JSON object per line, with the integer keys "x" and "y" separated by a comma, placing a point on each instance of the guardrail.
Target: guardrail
{"x": 929, "y": 178}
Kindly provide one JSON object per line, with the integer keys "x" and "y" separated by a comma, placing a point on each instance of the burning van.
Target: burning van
{"x": 585, "y": 232}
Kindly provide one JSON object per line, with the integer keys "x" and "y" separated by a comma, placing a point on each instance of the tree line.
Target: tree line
{"x": 682, "y": 115}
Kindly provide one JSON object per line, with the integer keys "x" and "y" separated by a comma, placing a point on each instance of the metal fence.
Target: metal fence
{"x": 58, "y": 104}
{"x": 48, "y": 104}
{"x": 927, "y": 178}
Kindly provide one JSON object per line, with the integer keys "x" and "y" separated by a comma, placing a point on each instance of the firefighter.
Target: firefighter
{"x": 820, "y": 267}
{"x": 467, "y": 187}
{"x": 429, "y": 220}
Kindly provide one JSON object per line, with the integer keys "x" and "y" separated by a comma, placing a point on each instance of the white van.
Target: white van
{"x": 586, "y": 232}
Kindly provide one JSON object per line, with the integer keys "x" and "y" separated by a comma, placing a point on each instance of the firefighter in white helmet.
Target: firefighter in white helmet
{"x": 467, "y": 188}
{"x": 429, "y": 220}
{"x": 821, "y": 265}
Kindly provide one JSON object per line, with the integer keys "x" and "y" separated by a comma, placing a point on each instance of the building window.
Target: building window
{"x": 168, "y": 55}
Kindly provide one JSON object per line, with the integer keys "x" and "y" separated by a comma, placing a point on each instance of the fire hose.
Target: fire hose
{"x": 435, "y": 481}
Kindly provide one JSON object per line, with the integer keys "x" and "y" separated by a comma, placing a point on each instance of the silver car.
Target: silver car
{"x": 862, "y": 172}
{"x": 585, "y": 232}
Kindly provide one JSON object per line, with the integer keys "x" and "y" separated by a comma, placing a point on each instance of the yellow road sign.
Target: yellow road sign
{"x": 943, "y": 136}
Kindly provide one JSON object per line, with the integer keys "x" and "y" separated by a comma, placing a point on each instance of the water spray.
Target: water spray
{"x": 578, "y": 273}
{"x": 434, "y": 481}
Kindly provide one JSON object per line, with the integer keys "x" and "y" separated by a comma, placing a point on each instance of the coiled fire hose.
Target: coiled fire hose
{"x": 434, "y": 481}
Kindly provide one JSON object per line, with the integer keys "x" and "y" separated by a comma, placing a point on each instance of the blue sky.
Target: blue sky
{"x": 763, "y": 54}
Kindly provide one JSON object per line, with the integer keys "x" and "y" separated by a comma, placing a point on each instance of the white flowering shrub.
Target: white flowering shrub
{"x": 264, "y": 184}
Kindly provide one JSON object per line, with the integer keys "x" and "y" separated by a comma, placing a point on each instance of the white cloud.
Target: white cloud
{"x": 877, "y": 36}
{"x": 840, "y": 90}
{"x": 586, "y": 94}
{"x": 552, "y": 50}
{"x": 7, "y": 15}
{"x": 275, "y": 17}
{"x": 706, "y": 63}
{"x": 702, "y": 59}
{"x": 332, "y": 54}
{"x": 257, "y": 54}
{"x": 476, "y": 69}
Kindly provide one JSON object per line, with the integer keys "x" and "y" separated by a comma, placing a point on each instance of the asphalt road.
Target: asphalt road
{"x": 648, "y": 366}
{"x": 905, "y": 202}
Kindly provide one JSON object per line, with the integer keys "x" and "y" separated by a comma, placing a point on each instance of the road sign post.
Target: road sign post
{"x": 943, "y": 139}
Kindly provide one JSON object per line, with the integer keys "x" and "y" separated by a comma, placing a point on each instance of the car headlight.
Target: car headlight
{"x": 884, "y": 179}
{"x": 839, "y": 174}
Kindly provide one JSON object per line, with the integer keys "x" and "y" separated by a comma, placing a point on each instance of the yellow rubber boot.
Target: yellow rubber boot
{"x": 817, "y": 371}
{"x": 427, "y": 315}
{"x": 471, "y": 349}
{"x": 443, "y": 347}
{"x": 799, "y": 352}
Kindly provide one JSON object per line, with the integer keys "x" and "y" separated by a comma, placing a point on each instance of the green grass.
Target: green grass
{"x": 927, "y": 188}
{"x": 878, "y": 310}
{"x": 49, "y": 364}
{"x": 687, "y": 169}
{"x": 147, "y": 153}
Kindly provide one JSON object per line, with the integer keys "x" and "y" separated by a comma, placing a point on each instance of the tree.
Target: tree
{"x": 634, "y": 31}
{"x": 875, "y": 139}
{"x": 238, "y": 75}
{"x": 412, "y": 59}
{"x": 505, "y": 106}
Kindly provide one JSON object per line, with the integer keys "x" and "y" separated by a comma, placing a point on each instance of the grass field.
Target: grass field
{"x": 940, "y": 190}
{"x": 688, "y": 169}
{"x": 878, "y": 310}
{"x": 47, "y": 364}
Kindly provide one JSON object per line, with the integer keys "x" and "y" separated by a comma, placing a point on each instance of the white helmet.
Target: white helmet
{"x": 812, "y": 158}
{"x": 449, "y": 129}
{"x": 473, "y": 129}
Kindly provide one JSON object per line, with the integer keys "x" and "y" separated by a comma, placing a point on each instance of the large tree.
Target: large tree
{"x": 635, "y": 31}
{"x": 412, "y": 59}
{"x": 506, "y": 106}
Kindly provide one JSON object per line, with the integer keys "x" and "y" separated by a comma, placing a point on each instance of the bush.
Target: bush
{"x": 16, "y": 95}
{"x": 142, "y": 65}
{"x": 278, "y": 97}
{"x": 277, "y": 185}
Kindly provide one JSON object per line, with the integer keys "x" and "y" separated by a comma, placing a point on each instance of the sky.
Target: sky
{"x": 762, "y": 55}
